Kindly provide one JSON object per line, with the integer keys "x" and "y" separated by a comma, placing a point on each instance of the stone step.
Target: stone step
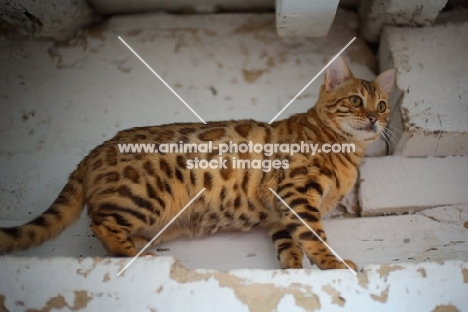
{"x": 430, "y": 101}
{"x": 395, "y": 184}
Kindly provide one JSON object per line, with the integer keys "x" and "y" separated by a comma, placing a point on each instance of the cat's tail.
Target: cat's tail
{"x": 65, "y": 210}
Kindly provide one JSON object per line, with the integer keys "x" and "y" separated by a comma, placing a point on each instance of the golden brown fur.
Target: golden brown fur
{"x": 131, "y": 197}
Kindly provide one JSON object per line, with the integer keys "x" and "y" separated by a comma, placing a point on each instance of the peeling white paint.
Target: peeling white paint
{"x": 162, "y": 284}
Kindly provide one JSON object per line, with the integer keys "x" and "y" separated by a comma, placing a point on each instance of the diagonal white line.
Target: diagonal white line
{"x": 163, "y": 229}
{"x": 310, "y": 82}
{"x": 162, "y": 80}
{"x": 310, "y": 229}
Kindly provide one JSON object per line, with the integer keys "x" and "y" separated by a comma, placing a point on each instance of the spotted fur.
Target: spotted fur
{"x": 131, "y": 197}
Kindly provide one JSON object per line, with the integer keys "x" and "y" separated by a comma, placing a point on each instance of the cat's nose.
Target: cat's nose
{"x": 372, "y": 118}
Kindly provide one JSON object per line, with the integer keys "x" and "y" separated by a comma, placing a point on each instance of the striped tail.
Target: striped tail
{"x": 65, "y": 210}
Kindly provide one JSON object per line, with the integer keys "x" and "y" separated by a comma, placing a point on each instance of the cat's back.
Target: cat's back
{"x": 164, "y": 166}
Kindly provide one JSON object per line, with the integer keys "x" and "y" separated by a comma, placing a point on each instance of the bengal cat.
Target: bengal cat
{"x": 132, "y": 196}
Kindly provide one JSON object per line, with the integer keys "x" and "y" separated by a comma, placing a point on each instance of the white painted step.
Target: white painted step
{"x": 396, "y": 184}
{"x": 162, "y": 284}
{"x": 430, "y": 102}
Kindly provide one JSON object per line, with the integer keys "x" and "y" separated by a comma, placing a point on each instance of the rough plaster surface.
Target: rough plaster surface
{"x": 163, "y": 284}
{"x": 431, "y": 97}
{"x": 376, "y": 14}
{"x": 304, "y": 18}
{"x": 45, "y": 19}
{"x": 396, "y": 184}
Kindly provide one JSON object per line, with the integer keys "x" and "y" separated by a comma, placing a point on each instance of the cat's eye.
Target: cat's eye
{"x": 381, "y": 107}
{"x": 356, "y": 101}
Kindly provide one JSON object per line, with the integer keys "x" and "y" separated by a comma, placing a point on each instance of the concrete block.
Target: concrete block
{"x": 430, "y": 107}
{"x": 395, "y": 185}
{"x": 305, "y": 18}
{"x": 376, "y": 14}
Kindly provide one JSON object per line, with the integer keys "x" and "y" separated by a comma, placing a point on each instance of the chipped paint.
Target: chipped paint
{"x": 445, "y": 308}
{"x": 382, "y": 297}
{"x": 252, "y": 75}
{"x": 334, "y": 294}
{"x": 422, "y": 271}
{"x": 386, "y": 269}
{"x": 106, "y": 277}
{"x": 362, "y": 280}
{"x": 58, "y": 302}
{"x": 259, "y": 297}
{"x": 152, "y": 283}
{"x": 465, "y": 275}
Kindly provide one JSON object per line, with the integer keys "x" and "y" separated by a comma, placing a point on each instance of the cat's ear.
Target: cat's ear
{"x": 386, "y": 80}
{"x": 337, "y": 73}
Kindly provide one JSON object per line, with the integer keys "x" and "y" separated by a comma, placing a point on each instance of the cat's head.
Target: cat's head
{"x": 356, "y": 109}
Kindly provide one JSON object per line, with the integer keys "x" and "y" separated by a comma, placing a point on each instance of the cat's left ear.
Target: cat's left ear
{"x": 386, "y": 80}
{"x": 337, "y": 73}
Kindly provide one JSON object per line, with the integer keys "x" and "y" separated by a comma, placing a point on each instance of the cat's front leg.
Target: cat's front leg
{"x": 288, "y": 253}
{"x": 305, "y": 205}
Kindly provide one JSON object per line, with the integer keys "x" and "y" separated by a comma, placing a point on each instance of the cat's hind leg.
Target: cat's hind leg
{"x": 288, "y": 253}
{"x": 142, "y": 238}
{"x": 115, "y": 238}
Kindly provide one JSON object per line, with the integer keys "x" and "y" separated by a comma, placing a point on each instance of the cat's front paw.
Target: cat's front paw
{"x": 148, "y": 253}
{"x": 291, "y": 264}
{"x": 337, "y": 264}
{"x": 351, "y": 264}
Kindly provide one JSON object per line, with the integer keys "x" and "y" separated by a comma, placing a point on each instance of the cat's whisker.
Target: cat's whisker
{"x": 389, "y": 136}
{"x": 395, "y": 129}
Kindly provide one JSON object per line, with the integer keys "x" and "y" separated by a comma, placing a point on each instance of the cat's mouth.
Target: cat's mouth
{"x": 368, "y": 128}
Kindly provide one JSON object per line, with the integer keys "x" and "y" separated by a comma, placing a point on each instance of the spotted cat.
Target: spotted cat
{"x": 132, "y": 196}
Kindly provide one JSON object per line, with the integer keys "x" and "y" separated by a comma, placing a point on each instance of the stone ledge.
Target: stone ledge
{"x": 163, "y": 284}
